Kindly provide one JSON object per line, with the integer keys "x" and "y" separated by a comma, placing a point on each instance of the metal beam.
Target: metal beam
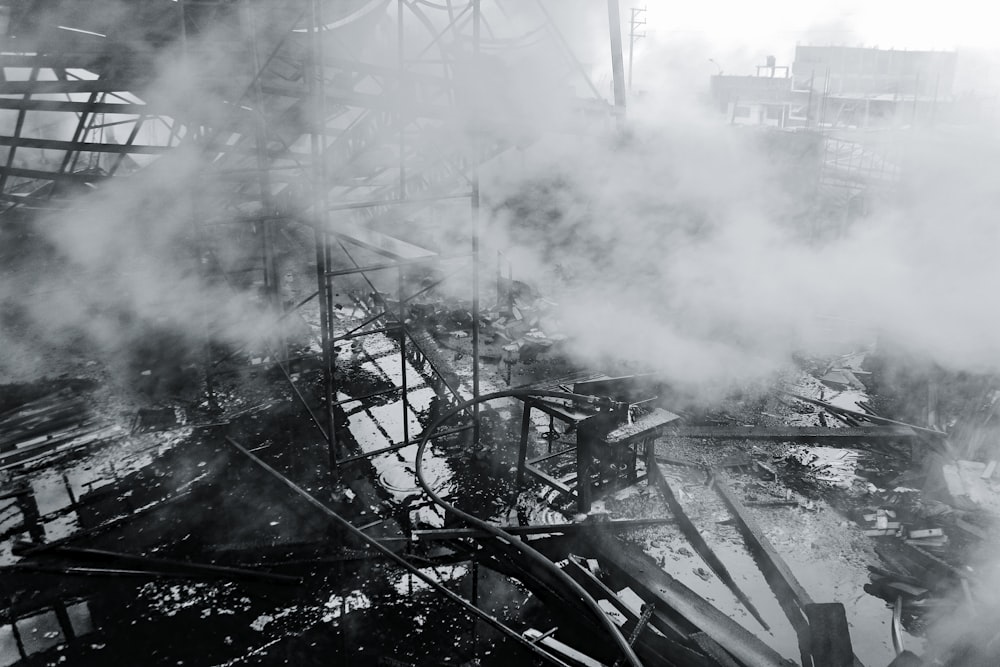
{"x": 760, "y": 545}
{"x": 641, "y": 572}
{"x": 27, "y": 104}
{"x": 48, "y": 175}
{"x": 865, "y": 415}
{"x": 340, "y": 96}
{"x": 796, "y": 433}
{"x": 617, "y": 63}
{"x": 544, "y": 529}
{"x": 83, "y": 146}
{"x": 392, "y": 265}
{"x": 792, "y": 597}
{"x": 379, "y": 547}
{"x": 402, "y": 445}
{"x": 690, "y": 531}
{"x": 60, "y": 86}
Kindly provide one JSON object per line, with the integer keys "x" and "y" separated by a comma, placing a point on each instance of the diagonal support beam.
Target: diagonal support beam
{"x": 691, "y": 533}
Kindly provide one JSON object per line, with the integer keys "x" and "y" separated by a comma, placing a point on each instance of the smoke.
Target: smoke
{"x": 136, "y": 265}
{"x": 693, "y": 246}
{"x": 701, "y": 250}
{"x": 686, "y": 243}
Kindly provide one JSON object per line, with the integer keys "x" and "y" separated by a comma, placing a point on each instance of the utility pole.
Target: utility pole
{"x": 617, "y": 66}
{"x": 634, "y": 22}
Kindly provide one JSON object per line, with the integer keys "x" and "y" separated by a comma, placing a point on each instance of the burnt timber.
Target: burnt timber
{"x": 816, "y": 434}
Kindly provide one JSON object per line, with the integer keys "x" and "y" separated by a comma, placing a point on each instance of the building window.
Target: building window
{"x": 741, "y": 112}
{"x": 774, "y": 112}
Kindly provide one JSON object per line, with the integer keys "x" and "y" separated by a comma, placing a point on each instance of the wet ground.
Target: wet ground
{"x": 185, "y": 495}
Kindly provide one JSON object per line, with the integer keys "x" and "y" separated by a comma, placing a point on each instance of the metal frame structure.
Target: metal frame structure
{"x": 283, "y": 125}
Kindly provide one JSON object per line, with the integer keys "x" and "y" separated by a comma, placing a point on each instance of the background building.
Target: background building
{"x": 838, "y": 86}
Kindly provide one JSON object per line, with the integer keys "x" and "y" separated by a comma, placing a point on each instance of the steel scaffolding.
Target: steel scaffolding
{"x": 320, "y": 115}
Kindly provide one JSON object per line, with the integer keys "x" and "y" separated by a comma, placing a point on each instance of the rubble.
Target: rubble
{"x": 276, "y": 412}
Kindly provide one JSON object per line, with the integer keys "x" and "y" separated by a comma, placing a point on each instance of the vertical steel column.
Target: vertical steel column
{"x": 475, "y": 603}
{"x": 499, "y": 276}
{"x": 584, "y": 457}
{"x": 402, "y": 356}
{"x": 476, "y": 20}
{"x": 193, "y": 132}
{"x": 522, "y": 451}
{"x": 271, "y": 283}
{"x": 323, "y": 286}
{"x": 317, "y": 148}
{"x": 402, "y": 102}
{"x": 401, "y": 61}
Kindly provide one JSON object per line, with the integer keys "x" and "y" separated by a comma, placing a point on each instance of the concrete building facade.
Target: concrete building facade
{"x": 837, "y": 86}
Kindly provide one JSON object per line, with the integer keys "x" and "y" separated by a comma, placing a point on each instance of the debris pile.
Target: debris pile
{"x": 58, "y": 421}
{"x": 836, "y": 467}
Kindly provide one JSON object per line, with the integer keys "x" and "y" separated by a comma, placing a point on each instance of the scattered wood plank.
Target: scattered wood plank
{"x": 564, "y": 651}
{"x": 929, "y": 543}
{"x": 926, "y": 532}
{"x": 915, "y": 592}
{"x": 64, "y": 442}
{"x": 895, "y": 576}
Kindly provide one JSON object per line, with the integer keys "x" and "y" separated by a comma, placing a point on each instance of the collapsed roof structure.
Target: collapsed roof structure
{"x": 278, "y": 423}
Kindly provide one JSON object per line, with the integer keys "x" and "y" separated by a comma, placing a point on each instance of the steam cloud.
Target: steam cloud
{"x": 684, "y": 244}
{"x": 687, "y": 242}
{"x": 690, "y": 248}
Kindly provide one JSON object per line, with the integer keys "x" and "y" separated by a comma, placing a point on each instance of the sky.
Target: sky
{"x": 739, "y": 35}
{"x": 781, "y": 23}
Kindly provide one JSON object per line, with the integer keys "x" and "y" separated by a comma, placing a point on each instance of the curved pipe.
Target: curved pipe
{"x": 526, "y": 551}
